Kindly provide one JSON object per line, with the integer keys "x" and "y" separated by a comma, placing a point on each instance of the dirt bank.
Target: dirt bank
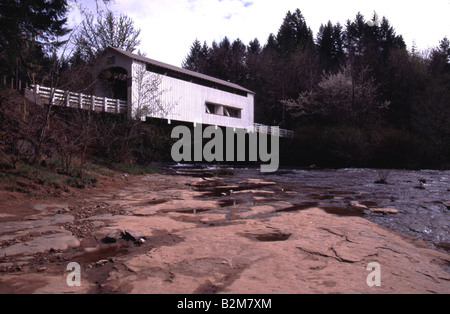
{"x": 178, "y": 234}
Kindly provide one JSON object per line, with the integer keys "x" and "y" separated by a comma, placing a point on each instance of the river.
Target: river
{"x": 421, "y": 196}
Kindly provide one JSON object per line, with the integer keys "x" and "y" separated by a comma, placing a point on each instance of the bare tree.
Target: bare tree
{"x": 148, "y": 95}
{"x": 96, "y": 33}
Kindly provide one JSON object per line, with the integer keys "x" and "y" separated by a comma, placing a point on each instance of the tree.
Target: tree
{"x": 147, "y": 94}
{"x": 107, "y": 30}
{"x": 30, "y": 32}
{"x": 225, "y": 60}
{"x": 254, "y": 47}
{"x": 197, "y": 57}
{"x": 444, "y": 46}
{"x": 341, "y": 98}
{"x": 253, "y": 64}
{"x": 238, "y": 62}
{"x": 330, "y": 46}
{"x": 370, "y": 43}
{"x": 294, "y": 34}
{"x": 440, "y": 58}
{"x": 272, "y": 43}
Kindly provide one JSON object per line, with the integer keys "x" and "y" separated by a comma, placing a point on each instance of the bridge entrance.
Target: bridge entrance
{"x": 112, "y": 83}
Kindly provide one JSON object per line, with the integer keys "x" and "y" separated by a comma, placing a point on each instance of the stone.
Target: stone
{"x": 385, "y": 210}
{"x": 102, "y": 262}
{"x": 50, "y": 242}
{"x": 133, "y": 236}
{"x": 112, "y": 236}
{"x": 358, "y": 206}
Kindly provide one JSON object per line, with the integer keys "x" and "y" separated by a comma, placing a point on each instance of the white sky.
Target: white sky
{"x": 168, "y": 27}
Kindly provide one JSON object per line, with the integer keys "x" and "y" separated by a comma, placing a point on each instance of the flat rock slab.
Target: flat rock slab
{"x": 58, "y": 241}
{"x": 300, "y": 252}
{"x": 248, "y": 249}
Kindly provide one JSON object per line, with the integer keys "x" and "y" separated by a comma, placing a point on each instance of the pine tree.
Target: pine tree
{"x": 238, "y": 65}
{"x": 272, "y": 43}
{"x": 330, "y": 46}
{"x": 30, "y": 32}
{"x": 444, "y": 46}
{"x": 254, "y": 46}
{"x": 294, "y": 34}
{"x": 369, "y": 43}
{"x": 197, "y": 57}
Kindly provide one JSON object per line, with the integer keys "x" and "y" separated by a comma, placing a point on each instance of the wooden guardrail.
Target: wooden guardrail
{"x": 270, "y": 130}
{"x": 59, "y": 97}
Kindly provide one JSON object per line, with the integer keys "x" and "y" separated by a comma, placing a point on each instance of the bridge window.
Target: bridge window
{"x": 223, "y": 110}
{"x": 210, "y": 108}
{"x": 232, "y": 112}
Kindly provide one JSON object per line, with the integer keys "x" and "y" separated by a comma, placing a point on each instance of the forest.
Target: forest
{"x": 355, "y": 94}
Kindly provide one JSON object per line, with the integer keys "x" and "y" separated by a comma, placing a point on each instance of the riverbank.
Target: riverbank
{"x": 244, "y": 233}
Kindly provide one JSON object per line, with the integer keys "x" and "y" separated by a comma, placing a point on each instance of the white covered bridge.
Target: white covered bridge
{"x": 145, "y": 88}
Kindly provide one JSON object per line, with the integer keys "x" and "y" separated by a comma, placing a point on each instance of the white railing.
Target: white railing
{"x": 270, "y": 130}
{"x": 59, "y": 97}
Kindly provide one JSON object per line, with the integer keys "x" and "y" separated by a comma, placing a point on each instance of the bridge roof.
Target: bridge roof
{"x": 182, "y": 71}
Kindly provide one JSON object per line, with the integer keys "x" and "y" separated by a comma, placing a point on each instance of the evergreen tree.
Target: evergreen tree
{"x": 330, "y": 46}
{"x": 254, "y": 47}
{"x": 272, "y": 43}
{"x": 444, "y": 46}
{"x": 253, "y": 63}
{"x": 294, "y": 34}
{"x": 238, "y": 67}
{"x": 219, "y": 60}
{"x": 369, "y": 43}
{"x": 30, "y": 32}
{"x": 197, "y": 57}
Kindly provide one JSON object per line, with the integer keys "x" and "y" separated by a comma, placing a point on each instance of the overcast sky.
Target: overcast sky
{"x": 168, "y": 27}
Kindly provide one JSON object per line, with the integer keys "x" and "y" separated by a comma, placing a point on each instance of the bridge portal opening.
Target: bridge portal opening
{"x": 112, "y": 83}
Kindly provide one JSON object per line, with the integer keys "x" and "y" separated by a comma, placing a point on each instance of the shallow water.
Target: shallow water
{"x": 419, "y": 195}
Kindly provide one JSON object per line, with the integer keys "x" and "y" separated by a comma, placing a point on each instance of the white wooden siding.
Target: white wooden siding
{"x": 189, "y": 102}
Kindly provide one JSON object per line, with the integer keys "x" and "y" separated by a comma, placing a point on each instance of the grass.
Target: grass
{"x": 93, "y": 168}
{"x": 53, "y": 178}
{"x": 29, "y": 179}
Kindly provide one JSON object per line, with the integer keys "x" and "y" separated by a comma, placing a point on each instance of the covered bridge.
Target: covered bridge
{"x": 154, "y": 89}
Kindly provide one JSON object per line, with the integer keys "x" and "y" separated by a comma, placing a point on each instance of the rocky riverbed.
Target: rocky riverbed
{"x": 297, "y": 231}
